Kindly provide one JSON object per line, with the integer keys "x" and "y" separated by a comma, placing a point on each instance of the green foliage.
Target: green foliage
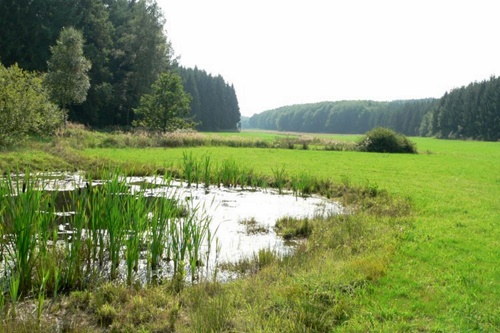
{"x": 125, "y": 42}
{"x": 167, "y": 108}
{"x": 24, "y": 106}
{"x": 290, "y": 227}
{"x": 67, "y": 78}
{"x": 345, "y": 117}
{"x": 214, "y": 104}
{"x": 384, "y": 140}
{"x": 471, "y": 112}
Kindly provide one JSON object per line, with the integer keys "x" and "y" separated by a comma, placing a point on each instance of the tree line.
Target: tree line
{"x": 214, "y": 105}
{"x": 124, "y": 41}
{"x": 346, "y": 117}
{"x": 469, "y": 112}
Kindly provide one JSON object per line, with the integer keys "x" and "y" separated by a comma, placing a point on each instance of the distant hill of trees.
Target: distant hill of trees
{"x": 471, "y": 112}
{"x": 346, "y": 117}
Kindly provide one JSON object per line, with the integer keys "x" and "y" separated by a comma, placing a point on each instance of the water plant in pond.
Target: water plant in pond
{"x": 252, "y": 227}
{"x": 21, "y": 217}
{"x": 305, "y": 184}
{"x": 161, "y": 217}
{"x": 229, "y": 172}
{"x": 290, "y": 227}
{"x": 189, "y": 166}
{"x": 206, "y": 170}
{"x": 279, "y": 174}
{"x": 106, "y": 227}
{"x": 15, "y": 282}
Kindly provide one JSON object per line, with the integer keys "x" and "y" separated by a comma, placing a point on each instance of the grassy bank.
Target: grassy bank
{"x": 445, "y": 274}
{"x": 436, "y": 271}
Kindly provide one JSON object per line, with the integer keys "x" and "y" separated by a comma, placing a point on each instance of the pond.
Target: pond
{"x": 241, "y": 221}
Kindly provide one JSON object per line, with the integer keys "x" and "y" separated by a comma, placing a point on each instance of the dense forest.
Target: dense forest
{"x": 214, "y": 105}
{"x": 471, "y": 112}
{"x": 346, "y": 116}
{"x": 467, "y": 112}
{"x": 125, "y": 42}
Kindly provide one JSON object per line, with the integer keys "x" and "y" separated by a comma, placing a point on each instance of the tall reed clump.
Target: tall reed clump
{"x": 207, "y": 167}
{"x": 108, "y": 231}
{"x": 279, "y": 174}
{"x": 189, "y": 167}
{"x": 22, "y": 218}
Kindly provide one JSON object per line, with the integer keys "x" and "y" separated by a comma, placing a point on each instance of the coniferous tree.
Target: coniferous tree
{"x": 214, "y": 104}
{"x": 125, "y": 42}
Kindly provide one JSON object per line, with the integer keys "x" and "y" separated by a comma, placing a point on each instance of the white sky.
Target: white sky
{"x": 283, "y": 52}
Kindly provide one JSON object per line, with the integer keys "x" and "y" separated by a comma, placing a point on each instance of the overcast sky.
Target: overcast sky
{"x": 283, "y": 52}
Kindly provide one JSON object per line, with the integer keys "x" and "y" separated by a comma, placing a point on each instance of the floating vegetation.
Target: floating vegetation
{"x": 252, "y": 227}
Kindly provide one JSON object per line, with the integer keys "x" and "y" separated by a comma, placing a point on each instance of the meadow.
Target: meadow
{"x": 421, "y": 254}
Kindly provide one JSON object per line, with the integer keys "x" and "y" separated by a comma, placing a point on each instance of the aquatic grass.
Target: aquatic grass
{"x": 279, "y": 179}
{"x": 2, "y": 296}
{"x": 15, "y": 282}
{"x": 253, "y": 179}
{"x": 207, "y": 171}
{"x": 189, "y": 167}
{"x": 199, "y": 232}
{"x": 71, "y": 274}
{"x": 229, "y": 172}
{"x": 135, "y": 219}
{"x": 22, "y": 216}
{"x": 163, "y": 214}
{"x": 41, "y": 295}
{"x": 306, "y": 184}
{"x": 290, "y": 227}
{"x": 252, "y": 227}
{"x": 114, "y": 208}
{"x": 107, "y": 226}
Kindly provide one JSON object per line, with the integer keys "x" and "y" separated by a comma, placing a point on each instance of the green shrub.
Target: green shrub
{"x": 24, "y": 106}
{"x": 384, "y": 140}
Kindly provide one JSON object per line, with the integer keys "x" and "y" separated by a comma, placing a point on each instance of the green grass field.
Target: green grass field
{"x": 271, "y": 135}
{"x": 444, "y": 274}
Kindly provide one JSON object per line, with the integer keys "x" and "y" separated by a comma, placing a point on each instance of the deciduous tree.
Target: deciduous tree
{"x": 25, "y": 107}
{"x": 67, "y": 78}
{"x": 166, "y": 108}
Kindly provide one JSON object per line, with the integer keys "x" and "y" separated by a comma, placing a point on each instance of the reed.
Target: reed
{"x": 306, "y": 184}
{"x": 229, "y": 172}
{"x": 41, "y": 295}
{"x": 107, "y": 228}
{"x": 134, "y": 215}
{"x": 163, "y": 214}
{"x": 206, "y": 164}
{"x": 199, "y": 231}
{"x": 72, "y": 273}
{"x": 279, "y": 174}
{"x": 2, "y": 296}
{"x": 114, "y": 208}
{"x": 22, "y": 215}
{"x": 15, "y": 282}
{"x": 189, "y": 166}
